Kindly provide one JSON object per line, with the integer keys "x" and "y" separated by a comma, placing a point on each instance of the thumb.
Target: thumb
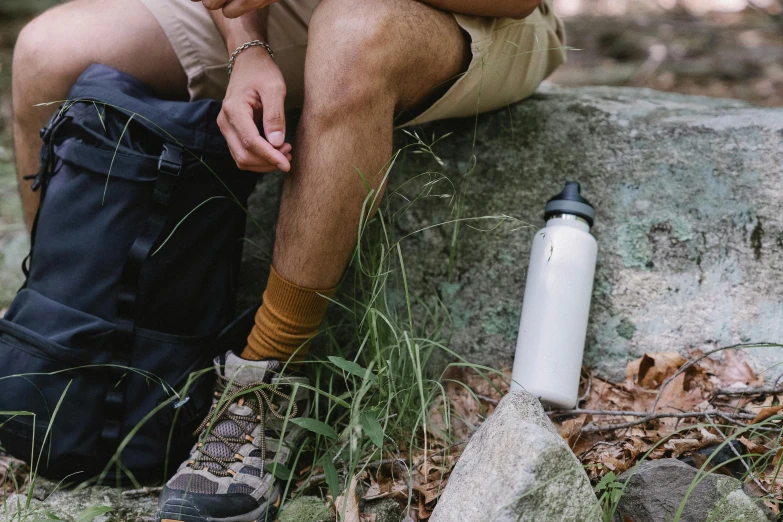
{"x": 273, "y": 116}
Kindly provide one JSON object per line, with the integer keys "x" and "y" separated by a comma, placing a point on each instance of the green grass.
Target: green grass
{"x": 372, "y": 391}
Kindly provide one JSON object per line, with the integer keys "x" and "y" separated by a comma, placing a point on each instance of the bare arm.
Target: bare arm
{"x": 256, "y": 91}
{"x": 245, "y": 28}
{"x": 510, "y": 8}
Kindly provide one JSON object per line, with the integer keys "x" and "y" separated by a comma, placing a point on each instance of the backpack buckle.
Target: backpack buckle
{"x": 169, "y": 169}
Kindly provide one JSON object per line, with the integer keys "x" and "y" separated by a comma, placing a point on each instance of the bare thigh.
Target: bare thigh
{"x": 55, "y": 48}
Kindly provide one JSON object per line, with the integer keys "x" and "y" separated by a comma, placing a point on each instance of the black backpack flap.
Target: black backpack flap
{"x": 136, "y": 252}
{"x": 192, "y": 125}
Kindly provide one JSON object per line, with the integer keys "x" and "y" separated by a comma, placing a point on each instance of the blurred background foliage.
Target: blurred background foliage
{"x": 723, "y": 48}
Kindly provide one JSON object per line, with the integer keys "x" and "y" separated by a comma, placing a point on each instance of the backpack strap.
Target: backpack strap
{"x": 169, "y": 169}
{"x": 40, "y": 180}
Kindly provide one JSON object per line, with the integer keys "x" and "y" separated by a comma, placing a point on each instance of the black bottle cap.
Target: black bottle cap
{"x": 570, "y": 201}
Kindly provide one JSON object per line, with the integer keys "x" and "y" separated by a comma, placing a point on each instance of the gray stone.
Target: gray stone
{"x": 517, "y": 468}
{"x": 687, "y": 189}
{"x": 384, "y": 509}
{"x": 305, "y": 509}
{"x": 655, "y": 491}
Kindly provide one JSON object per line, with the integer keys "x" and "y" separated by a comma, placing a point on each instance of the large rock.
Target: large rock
{"x": 517, "y": 468}
{"x": 654, "y": 492}
{"x": 688, "y": 192}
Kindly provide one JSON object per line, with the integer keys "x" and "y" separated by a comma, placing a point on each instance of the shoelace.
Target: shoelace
{"x": 262, "y": 401}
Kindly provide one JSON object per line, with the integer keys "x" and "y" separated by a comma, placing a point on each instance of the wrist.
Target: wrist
{"x": 237, "y": 39}
{"x": 238, "y": 31}
{"x": 249, "y": 49}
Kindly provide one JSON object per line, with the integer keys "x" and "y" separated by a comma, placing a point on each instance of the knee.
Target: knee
{"x": 40, "y": 64}
{"x": 351, "y": 57}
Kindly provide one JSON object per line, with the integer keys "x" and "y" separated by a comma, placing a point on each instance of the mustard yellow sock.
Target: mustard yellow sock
{"x": 286, "y": 321}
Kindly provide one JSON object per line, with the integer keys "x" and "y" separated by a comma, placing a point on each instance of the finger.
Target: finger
{"x": 286, "y": 148}
{"x": 214, "y": 4}
{"x": 251, "y": 142}
{"x": 243, "y": 160}
{"x": 273, "y": 118}
{"x": 236, "y": 8}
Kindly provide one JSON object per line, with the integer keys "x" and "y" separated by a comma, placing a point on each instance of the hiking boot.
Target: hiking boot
{"x": 228, "y": 476}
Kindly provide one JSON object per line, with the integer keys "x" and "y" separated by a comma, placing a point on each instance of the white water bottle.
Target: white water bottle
{"x": 553, "y": 326}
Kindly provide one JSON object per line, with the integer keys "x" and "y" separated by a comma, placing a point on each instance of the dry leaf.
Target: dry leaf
{"x": 431, "y": 491}
{"x": 766, "y": 413}
{"x": 753, "y": 447}
{"x": 736, "y": 370}
{"x": 652, "y": 369}
{"x": 571, "y": 429}
{"x": 347, "y": 506}
{"x": 701, "y": 462}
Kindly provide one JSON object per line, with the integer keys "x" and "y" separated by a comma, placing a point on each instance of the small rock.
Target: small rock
{"x": 305, "y": 509}
{"x": 385, "y": 510}
{"x": 655, "y": 490}
{"x": 516, "y": 467}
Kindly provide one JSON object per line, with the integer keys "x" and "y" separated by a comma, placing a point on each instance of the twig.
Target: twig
{"x": 141, "y": 492}
{"x": 488, "y": 399}
{"x": 692, "y": 362}
{"x": 649, "y": 417}
{"x": 749, "y": 390}
{"x": 439, "y": 452}
{"x": 587, "y": 390}
{"x": 314, "y": 480}
{"x": 645, "y": 414}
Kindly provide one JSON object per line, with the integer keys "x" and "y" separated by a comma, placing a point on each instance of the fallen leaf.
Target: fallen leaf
{"x": 347, "y": 505}
{"x": 701, "y": 462}
{"x": 571, "y": 429}
{"x": 753, "y": 447}
{"x": 766, "y": 413}
{"x": 735, "y": 370}
{"x": 652, "y": 369}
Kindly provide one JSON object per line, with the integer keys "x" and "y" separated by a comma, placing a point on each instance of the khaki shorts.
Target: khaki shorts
{"x": 510, "y": 57}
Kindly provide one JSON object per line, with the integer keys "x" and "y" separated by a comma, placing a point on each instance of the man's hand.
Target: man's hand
{"x": 235, "y": 8}
{"x": 256, "y": 91}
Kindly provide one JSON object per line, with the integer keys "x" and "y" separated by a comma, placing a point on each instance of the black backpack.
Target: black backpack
{"x": 131, "y": 283}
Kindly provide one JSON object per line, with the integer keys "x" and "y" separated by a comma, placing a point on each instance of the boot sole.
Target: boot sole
{"x": 177, "y": 510}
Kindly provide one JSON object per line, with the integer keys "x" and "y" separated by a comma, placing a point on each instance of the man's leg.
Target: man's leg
{"x": 55, "y": 48}
{"x": 365, "y": 62}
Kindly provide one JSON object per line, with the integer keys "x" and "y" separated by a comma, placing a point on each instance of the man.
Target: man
{"x": 356, "y": 68}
